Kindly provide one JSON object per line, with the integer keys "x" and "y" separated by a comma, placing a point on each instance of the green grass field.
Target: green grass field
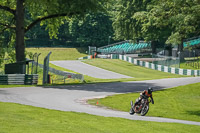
{"x": 179, "y": 103}
{"x": 175, "y": 103}
{"x": 11, "y": 86}
{"x": 123, "y": 67}
{"x": 58, "y": 53}
{"x": 139, "y": 73}
{"x": 191, "y": 66}
{"x": 15, "y": 118}
{"x": 126, "y": 68}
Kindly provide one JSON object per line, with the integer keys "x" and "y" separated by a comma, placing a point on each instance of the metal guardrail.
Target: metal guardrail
{"x": 63, "y": 73}
{"x": 18, "y": 79}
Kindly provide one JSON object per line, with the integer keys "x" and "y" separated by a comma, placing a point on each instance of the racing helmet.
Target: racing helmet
{"x": 150, "y": 90}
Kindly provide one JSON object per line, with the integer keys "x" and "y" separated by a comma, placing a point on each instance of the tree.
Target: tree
{"x": 94, "y": 30}
{"x": 133, "y": 21}
{"x": 167, "y": 21}
{"x": 182, "y": 19}
{"x": 154, "y": 27}
{"x": 49, "y": 12}
{"x": 125, "y": 26}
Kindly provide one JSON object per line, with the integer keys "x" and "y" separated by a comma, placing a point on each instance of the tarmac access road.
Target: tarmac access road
{"x": 86, "y": 69}
{"x": 74, "y": 97}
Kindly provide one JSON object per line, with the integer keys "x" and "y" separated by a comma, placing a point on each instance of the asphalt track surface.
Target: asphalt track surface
{"x": 89, "y": 70}
{"x": 74, "y": 97}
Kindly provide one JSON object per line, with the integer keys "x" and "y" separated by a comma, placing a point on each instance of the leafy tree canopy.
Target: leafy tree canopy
{"x": 51, "y": 13}
{"x": 169, "y": 21}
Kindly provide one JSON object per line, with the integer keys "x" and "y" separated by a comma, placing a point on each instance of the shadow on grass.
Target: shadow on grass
{"x": 82, "y": 50}
{"x": 197, "y": 113}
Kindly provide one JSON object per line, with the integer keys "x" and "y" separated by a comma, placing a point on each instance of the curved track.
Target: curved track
{"x": 89, "y": 70}
{"x": 73, "y": 97}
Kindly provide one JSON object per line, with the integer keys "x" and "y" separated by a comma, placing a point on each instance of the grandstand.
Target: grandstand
{"x": 125, "y": 47}
{"x": 192, "y": 42}
{"x": 128, "y": 47}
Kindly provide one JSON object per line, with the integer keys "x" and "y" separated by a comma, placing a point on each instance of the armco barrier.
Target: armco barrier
{"x": 19, "y": 79}
{"x": 86, "y": 57}
{"x": 157, "y": 67}
{"x": 63, "y": 73}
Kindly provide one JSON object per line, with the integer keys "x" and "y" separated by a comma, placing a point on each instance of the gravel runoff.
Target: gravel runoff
{"x": 89, "y": 70}
{"x": 74, "y": 97}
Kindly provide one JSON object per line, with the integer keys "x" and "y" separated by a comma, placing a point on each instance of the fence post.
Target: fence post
{"x": 46, "y": 69}
{"x": 37, "y": 62}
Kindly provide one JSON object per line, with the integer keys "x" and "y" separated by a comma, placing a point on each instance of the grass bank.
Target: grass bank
{"x": 179, "y": 103}
{"x": 58, "y": 53}
{"x": 15, "y": 118}
{"x": 139, "y": 73}
{"x": 126, "y": 68}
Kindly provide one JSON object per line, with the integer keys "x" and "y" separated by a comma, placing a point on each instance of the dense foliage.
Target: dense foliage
{"x": 19, "y": 16}
{"x": 96, "y": 23}
{"x": 92, "y": 30}
{"x": 165, "y": 21}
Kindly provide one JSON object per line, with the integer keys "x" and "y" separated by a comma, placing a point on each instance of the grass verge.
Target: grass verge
{"x": 139, "y": 73}
{"x": 179, "y": 103}
{"x": 58, "y": 53}
{"x": 15, "y": 118}
{"x": 126, "y": 68}
{"x": 11, "y": 86}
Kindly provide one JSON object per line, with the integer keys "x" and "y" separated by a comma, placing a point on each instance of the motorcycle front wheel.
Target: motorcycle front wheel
{"x": 145, "y": 110}
{"x": 131, "y": 110}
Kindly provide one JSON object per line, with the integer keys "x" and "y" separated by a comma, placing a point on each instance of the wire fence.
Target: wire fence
{"x": 63, "y": 74}
{"x": 166, "y": 61}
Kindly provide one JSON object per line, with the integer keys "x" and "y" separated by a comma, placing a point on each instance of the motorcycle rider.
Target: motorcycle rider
{"x": 145, "y": 94}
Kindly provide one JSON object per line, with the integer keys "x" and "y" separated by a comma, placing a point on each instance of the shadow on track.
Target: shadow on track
{"x": 119, "y": 87}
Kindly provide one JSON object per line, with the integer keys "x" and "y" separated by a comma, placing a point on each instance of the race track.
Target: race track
{"x": 85, "y": 69}
{"x": 73, "y": 97}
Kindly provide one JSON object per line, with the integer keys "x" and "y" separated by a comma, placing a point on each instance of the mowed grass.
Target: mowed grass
{"x": 181, "y": 102}
{"x": 126, "y": 68}
{"x": 119, "y": 66}
{"x": 15, "y": 118}
{"x": 186, "y": 66}
{"x": 190, "y": 63}
{"x": 11, "y": 86}
{"x": 58, "y": 53}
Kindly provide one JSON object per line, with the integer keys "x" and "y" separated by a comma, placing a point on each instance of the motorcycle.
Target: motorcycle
{"x": 141, "y": 108}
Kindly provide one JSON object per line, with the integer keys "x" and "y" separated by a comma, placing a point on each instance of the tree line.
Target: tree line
{"x": 160, "y": 21}
{"x": 92, "y": 30}
{"x": 96, "y": 22}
